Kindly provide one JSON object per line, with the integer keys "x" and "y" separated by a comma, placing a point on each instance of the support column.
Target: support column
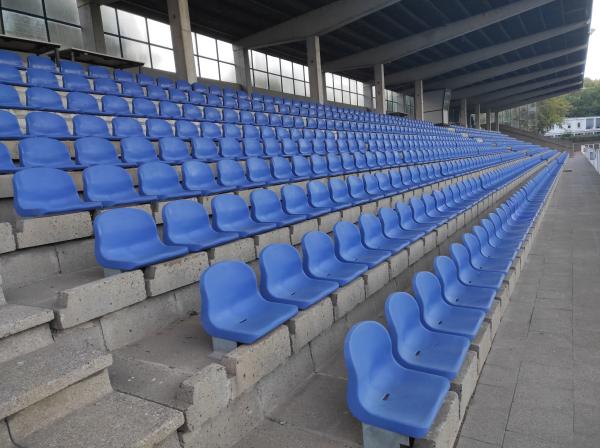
{"x": 488, "y": 120}
{"x": 92, "y": 29}
{"x": 313, "y": 52}
{"x": 241, "y": 59}
{"x": 368, "y": 94}
{"x": 496, "y": 121}
{"x": 419, "y": 99}
{"x": 463, "y": 116}
{"x": 379, "y": 89}
{"x": 181, "y": 35}
{"x": 478, "y": 116}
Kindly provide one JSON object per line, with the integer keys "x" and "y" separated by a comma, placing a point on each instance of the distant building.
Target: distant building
{"x": 575, "y": 126}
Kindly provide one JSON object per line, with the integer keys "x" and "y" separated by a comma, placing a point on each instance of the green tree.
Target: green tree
{"x": 585, "y": 102}
{"x": 552, "y": 111}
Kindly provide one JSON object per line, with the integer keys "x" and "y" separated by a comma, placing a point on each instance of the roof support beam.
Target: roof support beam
{"x": 527, "y": 97}
{"x": 433, "y": 69}
{"x": 400, "y": 48}
{"x": 480, "y": 89}
{"x": 319, "y": 21}
{"x": 506, "y": 93}
{"x": 538, "y": 98}
{"x": 481, "y": 75}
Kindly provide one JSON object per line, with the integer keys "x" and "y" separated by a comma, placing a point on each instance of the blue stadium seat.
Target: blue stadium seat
{"x": 231, "y": 214}
{"x": 127, "y": 127}
{"x": 10, "y": 75}
{"x": 437, "y": 314}
{"x": 186, "y": 129}
{"x": 145, "y": 80}
{"x": 231, "y": 174}
{"x": 165, "y": 82}
{"x": 407, "y": 221}
{"x": 233, "y": 308}
{"x": 154, "y": 92}
{"x": 115, "y": 105}
{"x": 127, "y": 239}
{"x": 144, "y": 107}
{"x": 198, "y": 176}
{"x": 186, "y": 223}
{"x": 481, "y": 261}
{"x": 158, "y": 128}
{"x": 168, "y": 109}
{"x": 356, "y": 187}
{"x": 231, "y": 148}
{"x": 71, "y": 67}
{"x": 45, "y": 152}
{"x": 468, "y": 274}
{"x": 111, "y": 185}
{"x": 11, "y": 58}
{"x": 47, "y": 191}
{"x": 210, "y": 130}
{"x": 295, "y": 202}
{"x": 266, "y": 207}
{"x": 90, "y": 126}
{"x": 340, "y": 193}
{"x": 349, "y": 246}
{"x": 80, "y": 102}
{"x": 43, "y": 99}
{"x": 281, "y": 169}
{"x": 487, "y": 249}
{"x": 320, "y": 196}
{"x": 40, "y": 62}
{"x": 383, "y": 393}
{"x": 132, "y": 89}
{"x": 205, "y": 149}
{"x": 138, "y": 150}
{"x": 123, "y": 76}
{"x": 9, "y": 126}
{"x": 77, "y": 83}
{"x": 457, "y": 293}
{"x": 46, "y": 124}
{"x": 320, "y": 261}
{"x": 96, "y": 151}
{"x": 42, "y": 78}
{"x": 6, "y": 163}
{"x": 161, "y": 179}
{"x": 371, "y": 230}
{"x": 259, "y": 171}
{"x": 283, "y": 280}
{"x": 105, "y": 86}
{"x": 391, "y": 226}
{"x": 173, "y": 150}
{"x": 9, "y": 97}
{"x": 97, "y": 71}
{"x": 417, "y": 347}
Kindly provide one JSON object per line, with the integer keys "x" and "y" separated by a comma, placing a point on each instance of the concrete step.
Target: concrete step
{"x": 116, "y": 420}
{"x": 18, "y": 318}
{"x": 30, "y": 378}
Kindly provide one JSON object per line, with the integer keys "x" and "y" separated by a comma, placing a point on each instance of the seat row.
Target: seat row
{"x": 48, "y": 191}
{"x": 411, "y": 362}
{"x": 53, "y": 153}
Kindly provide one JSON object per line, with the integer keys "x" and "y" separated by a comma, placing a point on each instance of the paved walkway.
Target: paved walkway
{"x": 540, "y": 387}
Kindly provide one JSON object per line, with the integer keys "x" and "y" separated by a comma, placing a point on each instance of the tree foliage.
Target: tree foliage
{"x": 552, "y": 111}
{"x": 585, "y": 102}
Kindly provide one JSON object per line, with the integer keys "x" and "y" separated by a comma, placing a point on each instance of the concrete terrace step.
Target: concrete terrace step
{"x": 17, "y": 318}
{"x": 115, "y": 421}
{"x": 30, "y": 378}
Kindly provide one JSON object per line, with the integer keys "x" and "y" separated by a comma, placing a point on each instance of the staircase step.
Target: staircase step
{"x": 18, "y": 318}
{"x": 32, "y": 377}
{"x": 116, "y": 420}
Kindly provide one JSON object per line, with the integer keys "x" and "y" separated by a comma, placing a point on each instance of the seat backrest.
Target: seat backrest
{"x": 46, "y": 124}
{"x": 131, "y": 89}
{"x": 115, "y": 105}
{"x": 281, "y": 168}
{"x": 6, "y": 162}
{"x": 123, "y": 227}
{"x": 138, "y": 150}
{"x": 126, "y": 127}
{"x": 169, "y": 109}
{"x": 10, "y": 75}
{"x": 230, "y": 147}
{"x": 183, "y": 217}
{"x": 34, "y": 188}
{"x": 98, "y": 71}
{"x": 40, "y": 62}
{"x": 230, "y": 172}
{"x": 157, "y": 128}
{"x": 346, "y": 237}
{"x": 204, "y": 148}
{"x": 156, "y": 178}
{"x": 143, "y": 106}
{"x": 43, "y": 151}
{"x": 82, "y": 102}
{"x": 264, "y": 204}
{"x": 101, "y": 182}
{"x": 258, "y": 170}
{"x": 9, "y": 125}
{"x": 339, "y": 191}
{"x": 94, "y": 151}
{"x": 319, "y": 194}
{"x": 11, "y": 58}
{"x": 428, "y": 292}
{"x": 42, "y": 78}
{"x": 9, "y": 97}
{"x": 122, "y": 75}
{"x": 186, "y": 129}
{"x": 278, "y": 262}
{"x": 42, "y": 98}
{"x": 90, "y": 126}
{"x": 403, "y": 317}
{"x": 229, "y": 209}
{"x": 370, "y": 227}
{"x": 293, "y": 197}
{"x": 173, "y": 148}
{"x": 76, "y": 82}
{"x": 106, "y": 86}
{"x": 317, "y": 248}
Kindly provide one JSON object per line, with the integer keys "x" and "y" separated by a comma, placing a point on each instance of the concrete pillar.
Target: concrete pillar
{"x": 313, "y": 53}
{"x": 368, "y": 94}
{"x": 496, "y": 121}
{"x": 92, "y": 30}
{"x": 419, "y": 99}
{"x": 181, "y": 35}
{"x": 464, "y": 115}
{"x": 478, "y": 116}
{"x": 488, "y": 120}
{"x": 241, "y": 59}
{"x": 380, "y": 105}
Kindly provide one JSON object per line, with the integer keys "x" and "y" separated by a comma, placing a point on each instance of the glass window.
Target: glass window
{"x": 286, "y": 68}
{"x": 275, "y": 83}
{"x": 28, "y": 6}
{"x": 328, "y": 79}
{"x": 113, "y": 47}
{"x": 160, "y": 33}
{"x": 259, "y": 61}
{"x": 109, "y": 19}
{"x": 132, "y": 26}
{"x": 299, "y": 88}
{"x": 298, "y": 71}
{"x": 279, "y": 74}
{"x": 215, "y": 58}
{"x": 209, "y": 69}
{"x": 344, "y": 90}
{"x": 273, "y": 65}
{"x": 227, "y": 72}
{"x": 207, "y": 46}
{"x": 69, "y": 36}
{"x": 260, "y": 80}
{"x": 63, "y": 10}
{"x": 225, "y": 51}
{"x": 25, "y": 26}
{"x": 136, "y": 51}
{"x": 162, "y": 58}
{"x": 288, "y": 85}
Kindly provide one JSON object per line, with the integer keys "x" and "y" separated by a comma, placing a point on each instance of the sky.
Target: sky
{"x": 592, "y": 66}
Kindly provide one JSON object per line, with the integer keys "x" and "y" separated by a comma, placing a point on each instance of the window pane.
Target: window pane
{"x": 109, "y": 19}
{"x": 69, "y": 36}
{"x": 227, "y": 72}
{"x": 225, "y": 51}
{"x": 112, "y": 45}
{"x": 259, "y": 61}
{"x": 162, "y": 59}
{"x": 299, "y": 88}
{"x": 275, "y": 83}
{"x": 361, "y": 101}
{"x": 306, "y": 74}
{"x": 338, "y": 96}
{"x": 359, "y": 87}
{"x": 345, "y": 97}
{"x": 273, "y": 64}
{"x": 24, "y": 26}
{"x": 330, "y": 96}
{"x": 63, "y": 10}
{"x": 30, "y": 6}
{"x": 209, "y": 68}
{"x": 132, "y": 25}
{"x": 337, "y": 81}
{"x": 160, "y": 33}
{"x": 345, "y": 83}
{"x": 207, "y": 46}
{"x": 328, "y": 79}
{"x": 298, "y": 72}
{"x": 260, "y": 80}
{"x": 288, "y": 84}
{"x": 353, "y": 99}
{"x": 307, "y": 88}
{"x": 286, "y": 68}
{"x": 136, "y": 51}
